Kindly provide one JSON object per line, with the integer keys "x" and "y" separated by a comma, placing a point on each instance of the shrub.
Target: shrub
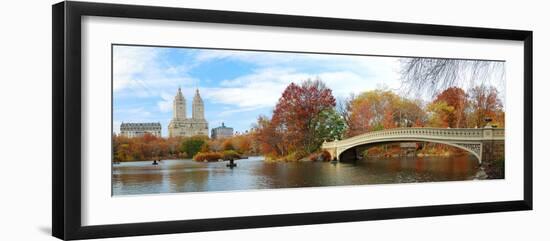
{"x": 320, "y": 156}
{"x": 231, "y": 154}
{"x": 295, "y": 156}
{"x": 325, "y": 156}
{"x": 208, "y": 156}
{"x": 228, "y": 145}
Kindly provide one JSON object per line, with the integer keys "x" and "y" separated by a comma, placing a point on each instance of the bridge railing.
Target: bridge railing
{"x": 427, "y": 132}
{"x": 498, "y": 132}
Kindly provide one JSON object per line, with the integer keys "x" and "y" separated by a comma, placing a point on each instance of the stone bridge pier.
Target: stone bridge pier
{"x": 493, "y": 150}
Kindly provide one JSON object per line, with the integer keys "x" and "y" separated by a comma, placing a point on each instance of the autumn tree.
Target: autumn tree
{"x": 458, "y": 99}
{"x": 205, "y": 147}
{"x": 227, "y": 145}
{"x": 242, "y": 143}
{"x": 360, "y": 119}
{"x": 484, "y": 102}
{"x": 173, "y": 145}
{"x": 411, "y": 113}
{"x": 215, "y": 145}
{"x": 439, "y": 113}
{"x": 296, "y": 113}
{"x": 383, "y": 109}
{"x": 270, "y": 139}
{"x": 121, "y": 153}
{"x": 301, "y": 120}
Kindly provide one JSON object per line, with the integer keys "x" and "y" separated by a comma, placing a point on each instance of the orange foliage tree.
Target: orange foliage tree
{"x": 147, "y": 147}
{"x": 484, "y": 102}
{"x": 383, "y": 109}
{"x": 360, "y": 119}
{"x": 270, "y": 138}
{"x": 456, "y": 98}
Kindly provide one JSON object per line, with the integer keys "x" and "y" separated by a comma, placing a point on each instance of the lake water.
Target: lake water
{"x": 172, "y": 176}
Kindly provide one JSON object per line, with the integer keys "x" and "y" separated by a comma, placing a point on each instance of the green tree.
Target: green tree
{"x": 191, "y": 146}
{"x": 330, "y": 126}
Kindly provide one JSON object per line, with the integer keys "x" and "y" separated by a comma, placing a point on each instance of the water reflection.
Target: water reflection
{"x": 188, "y": 176}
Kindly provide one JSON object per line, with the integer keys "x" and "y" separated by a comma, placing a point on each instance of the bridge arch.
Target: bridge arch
{"x": 480, "y": 142}
{"x": 474, "y": 148}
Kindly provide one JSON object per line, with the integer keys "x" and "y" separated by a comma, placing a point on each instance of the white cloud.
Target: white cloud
{"x": 130, "y": 61}
{"x": 255, "y": 57}
{"x": 156, "y": 73}
{"x": 165, "y": 105}
{"x": 264, "y": 87}
{"x": 238, "y": 110}
{"x": 142, "y": 72}
{"x": 342, "y": 73}
{"x": 259, "y": 89}
{"x": 283, "y": 59}
{"x": 138, "y": 70}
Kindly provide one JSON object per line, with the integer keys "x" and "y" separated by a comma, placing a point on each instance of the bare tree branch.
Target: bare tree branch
{"x": 430, "y": 75}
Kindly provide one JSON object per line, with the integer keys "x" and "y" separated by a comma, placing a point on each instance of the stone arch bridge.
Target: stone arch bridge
{"x": 484, "y": 143}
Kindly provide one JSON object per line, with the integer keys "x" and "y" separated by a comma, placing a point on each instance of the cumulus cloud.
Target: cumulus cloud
{"x": 165, "y": 105}
{"x": 143, "y": 72}
{"x": 259, "y": 89}
{"x": 264, "y": 87}
{"x": 148, "y": 77}
{"x": 129, "y": 62}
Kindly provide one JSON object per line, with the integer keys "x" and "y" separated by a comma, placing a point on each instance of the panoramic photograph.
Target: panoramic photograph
{"x": 208, "y": 120}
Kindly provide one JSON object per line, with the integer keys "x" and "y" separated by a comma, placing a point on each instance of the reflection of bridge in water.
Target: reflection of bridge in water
{"x": 484, "y": 143}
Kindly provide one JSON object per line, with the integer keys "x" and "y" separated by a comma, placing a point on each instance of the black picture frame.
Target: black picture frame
{"x": 66, "y": 127}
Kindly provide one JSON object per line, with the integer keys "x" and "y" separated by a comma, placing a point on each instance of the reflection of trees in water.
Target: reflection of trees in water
{"x": 187, "y": 177}
{"x": 458, "y": 166}
{"x": 302, "y": 174}
{"x": 166, "y": 177}
{"x": 132, "y": 175}
{"x": 283, "y": 172}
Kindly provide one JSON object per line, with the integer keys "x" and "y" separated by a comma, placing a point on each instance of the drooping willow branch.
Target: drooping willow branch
{"x": 430, "y": 75}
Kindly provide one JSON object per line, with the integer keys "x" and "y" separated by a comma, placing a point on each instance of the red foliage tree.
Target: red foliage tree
{"x": 296, "y": 112}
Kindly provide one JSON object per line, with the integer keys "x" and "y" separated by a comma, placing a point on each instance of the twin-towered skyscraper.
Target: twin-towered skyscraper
{"x": 180, "y": 125}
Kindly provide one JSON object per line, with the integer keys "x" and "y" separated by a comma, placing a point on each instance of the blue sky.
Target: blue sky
{"x": 236, "y": 86}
